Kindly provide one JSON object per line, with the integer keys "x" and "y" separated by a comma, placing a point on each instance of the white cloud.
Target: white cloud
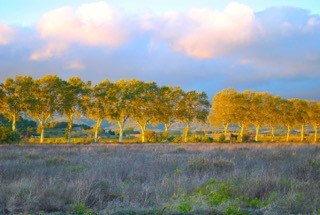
{"x": 6, "y": 34}
{"x": 94, "y": 24}
{"x": 205, "y": 33}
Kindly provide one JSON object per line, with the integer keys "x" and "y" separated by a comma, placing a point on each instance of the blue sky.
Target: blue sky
{"x": 206, "y": 45}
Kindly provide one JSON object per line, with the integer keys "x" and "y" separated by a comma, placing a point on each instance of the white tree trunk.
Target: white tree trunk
{"x": 13, "y": 122}
{"x": 186, "y": 131}
{"x": 302, "y": 133}
{"x": 256, "y": 138}
{"x": 288, "y": 133}
{"x": 96, "y": 130}
{"x": 120, "y": 125}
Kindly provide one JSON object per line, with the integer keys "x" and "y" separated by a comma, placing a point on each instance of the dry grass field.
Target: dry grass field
{"x": 160, "y": 179}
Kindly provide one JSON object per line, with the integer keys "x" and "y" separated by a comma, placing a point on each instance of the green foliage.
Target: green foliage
{"x": 79, "y": 208}
{"x": 216, "y": 195}
{"x": 196, "y": 138}
{"x": 222, "y": 138}
{"x": 8, "y": 136}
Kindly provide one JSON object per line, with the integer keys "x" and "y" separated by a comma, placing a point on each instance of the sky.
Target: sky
{"x": 206, "y": 45}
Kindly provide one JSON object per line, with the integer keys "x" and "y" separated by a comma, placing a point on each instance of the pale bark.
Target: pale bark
{"x": 241, "y": 132}
{"x": 315, "y": 127}
{"x": 186, "y": 131}
{"x": 166, "y": 127}
{"x": 120, "y": 125}
{"x": 272, "y": 133}
{"x": 225, "y": 128}
{"x": 256, "y": 138}
{"x": 13, "y": 122}
{"x": 143, "y": 131}
{"x": 302, "y": 133}
{"x": 69, "y": 129}
{"x": 41, "y": 126}
{"x": 288, "y": 133}
{"x": 96, "y": 129}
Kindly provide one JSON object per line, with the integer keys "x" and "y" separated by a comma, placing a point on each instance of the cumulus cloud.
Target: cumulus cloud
{"x": 94, "y": 24}
{"x": 205, "y": 33}
{"x": 6, "y": 34}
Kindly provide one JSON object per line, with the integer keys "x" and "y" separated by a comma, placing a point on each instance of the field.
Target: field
{"x": 160, "y": 179}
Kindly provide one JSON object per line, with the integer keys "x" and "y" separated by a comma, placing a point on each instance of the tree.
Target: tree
{"x": 143, "y": 107}
{"x": 72, "y": 101}
{"x": 193, "y": 107}
{"x": 121, "y": 103}
{"x": 313, "y": 111}
{"x": 257, "y": 102}
{"x": 166, "y": 103}
{"x": 15, "y": 94}
{"x": 45, "y": 101}
{"x": 242, "y": 106}
{"x": 272, "y": 113}
{"x": 300, "y": 114}
{"x": 287, "y": 116}
{"x": 223, "y": 111}
{"x": 97, "y": 104}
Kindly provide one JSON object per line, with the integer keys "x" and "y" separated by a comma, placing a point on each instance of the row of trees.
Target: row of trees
{"x": 262, "y": 109}
{"x": 143, "y": 102}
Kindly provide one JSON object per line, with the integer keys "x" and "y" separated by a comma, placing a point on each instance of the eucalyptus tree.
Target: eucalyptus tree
{"x": 300, "y": 114}
{"x": 74, "y": 93}
{"x": 15, "y": 95}
{"x": 45, "y": 101}
{"x": 313, "y": 111}
{"x": 97, "y": 104}
{"x": 143, "y": 108}
{"x": 272, "y": 113}
{"x": 193, "y": 107}
{"x": 223, "y": 111}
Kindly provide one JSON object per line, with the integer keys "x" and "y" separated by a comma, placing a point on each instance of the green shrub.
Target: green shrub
{"x": 151, "y": 136}
{"x": 196, "y": 138}
{"x": 222, "y": 138}
{"x": 8, "y": 136}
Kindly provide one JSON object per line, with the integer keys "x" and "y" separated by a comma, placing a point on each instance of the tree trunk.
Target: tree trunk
{"x": 302, "y": 133}
{"x": 225, "y": 128}
{"x": 241, "y": 132}
{"x": 96, "y": 130}
{"x": 272, "y": 133}
{"x": 185, "y": 133}
{"x": 166, "y": 127}
{"x": 69, "y": 129}
{"x": 143, "y": 131}
{"x": 288, "y": 133}
{"x": 42, "y": 135}
{"x": 41, "y": 127}
{"x": 256, "y": 138}
{"x": 14, "y": 122}
{"x": 120, "y": 125}
{"x": 315, "y": 127}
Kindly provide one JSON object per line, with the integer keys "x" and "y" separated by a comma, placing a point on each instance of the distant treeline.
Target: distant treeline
{"x": 147, "y": 103}
{"x": 262, "y": 109}
{"x": 143, "y": 102}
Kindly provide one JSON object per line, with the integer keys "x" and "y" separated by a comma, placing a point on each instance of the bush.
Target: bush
{"x": 196, "y": 138}
{"x": 151, "y": 136}
{"x": 8, "y": 136}
{"x": 222, "y": 138}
